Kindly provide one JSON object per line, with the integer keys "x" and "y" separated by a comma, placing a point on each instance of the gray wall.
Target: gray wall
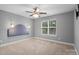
{"x": 65, "y": 27}
{"x": 5, "y": 20}
{"x": 76, "y": 32}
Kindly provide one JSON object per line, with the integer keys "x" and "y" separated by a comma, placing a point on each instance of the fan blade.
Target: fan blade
{"x": 29, "y": 11}
{"x": 42, "y": 13}
{"x": 31, "y": 15}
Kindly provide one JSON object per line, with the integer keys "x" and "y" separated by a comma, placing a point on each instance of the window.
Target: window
{"x": 48, "y": 27}
{"x": 45, "y": 24}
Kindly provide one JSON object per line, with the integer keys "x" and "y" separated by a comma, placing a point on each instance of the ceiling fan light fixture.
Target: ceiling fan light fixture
{"x": 36, "y": 12}
{"x": 35, "y": 15}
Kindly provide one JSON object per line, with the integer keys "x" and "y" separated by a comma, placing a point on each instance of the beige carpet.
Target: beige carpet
{"x": 37, "y": 47}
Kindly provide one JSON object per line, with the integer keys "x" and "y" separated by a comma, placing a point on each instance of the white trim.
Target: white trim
{"x": 48, "y": 27}
{"x": 55, "y": 41}
{"x": 18, "y": 41}
{"x": 37, "y": 38}
{"x": 76, "y": 51}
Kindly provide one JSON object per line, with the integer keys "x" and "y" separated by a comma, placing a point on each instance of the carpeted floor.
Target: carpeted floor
{"x": 37, "y": 47}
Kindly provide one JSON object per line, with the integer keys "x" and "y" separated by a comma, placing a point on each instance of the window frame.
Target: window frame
{"x": 44, "y": 27}
{"x": 48, "y": 28}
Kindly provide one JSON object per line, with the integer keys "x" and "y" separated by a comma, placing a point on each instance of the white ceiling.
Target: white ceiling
{"x": 51, "y": 9}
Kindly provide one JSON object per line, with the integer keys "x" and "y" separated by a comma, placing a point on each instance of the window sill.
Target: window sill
{"x": 49, "y": 35}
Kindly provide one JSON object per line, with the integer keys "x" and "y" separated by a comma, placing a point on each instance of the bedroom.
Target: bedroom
{"x": 37, "y": 29}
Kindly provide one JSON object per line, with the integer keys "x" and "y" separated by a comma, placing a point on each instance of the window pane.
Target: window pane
{"x": 45, "y": 24}
{"x": 44, "y": 30}
{"x": 52, "y": 31}
{"x": 52, "y": 23}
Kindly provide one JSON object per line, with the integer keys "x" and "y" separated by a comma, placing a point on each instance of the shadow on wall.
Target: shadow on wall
{"x": 17, "y": 30}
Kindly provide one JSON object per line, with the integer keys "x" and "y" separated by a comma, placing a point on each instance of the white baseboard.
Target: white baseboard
{"x": 76, "y": 51}
{"x": 13, "y": 42}
{"x": 55, "y": 41}
{"x": 37, "y": 38}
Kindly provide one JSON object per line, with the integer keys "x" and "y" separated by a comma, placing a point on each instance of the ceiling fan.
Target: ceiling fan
{"x": 36, "y": 12}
